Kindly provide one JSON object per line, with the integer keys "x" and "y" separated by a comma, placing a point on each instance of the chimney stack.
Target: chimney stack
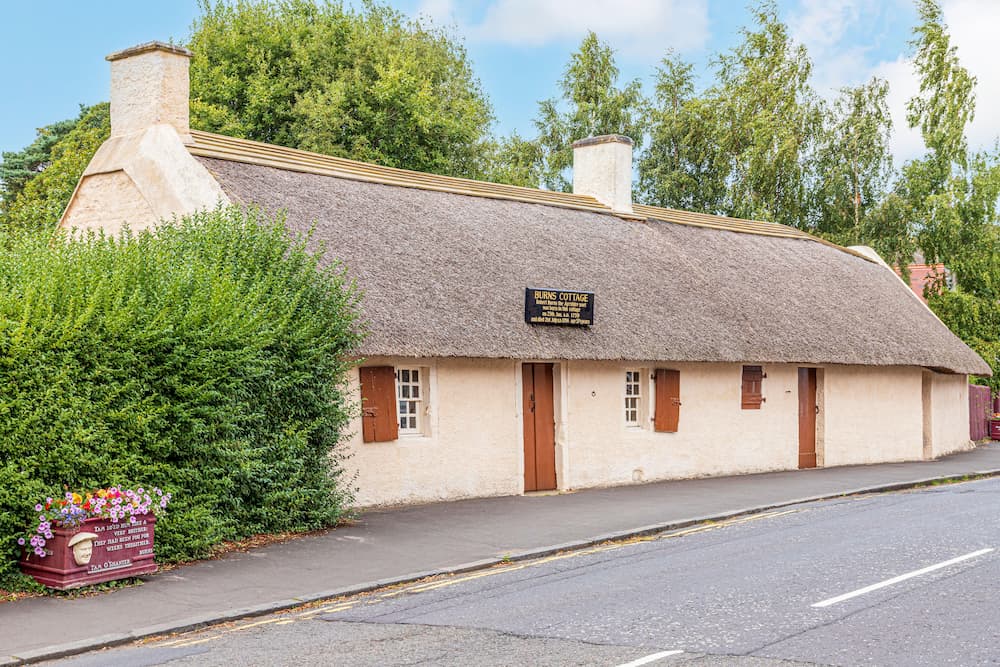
{"x": 602, "y": 168}
{"x": 150, "y": 86}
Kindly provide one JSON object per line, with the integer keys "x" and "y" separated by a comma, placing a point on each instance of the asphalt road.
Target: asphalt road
{"x": 906, "y": 578}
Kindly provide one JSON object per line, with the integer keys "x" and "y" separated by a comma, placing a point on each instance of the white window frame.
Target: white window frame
{"x": 632, "y": 394}
{"x": 411, "y": 409}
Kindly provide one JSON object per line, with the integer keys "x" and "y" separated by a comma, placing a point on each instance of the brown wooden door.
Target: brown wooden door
{"x": 667, "y": 416}
{"x": 807, "y": 417}
{"x": 539, "y": 428}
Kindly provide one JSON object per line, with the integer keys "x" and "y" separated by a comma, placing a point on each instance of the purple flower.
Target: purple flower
{"x": 39, "y": 551}
{"x": 38, "y": 507}
{"x": 20, "y": 541}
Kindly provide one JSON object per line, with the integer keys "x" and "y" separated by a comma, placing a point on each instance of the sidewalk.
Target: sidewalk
{"x": 396, "y": 545}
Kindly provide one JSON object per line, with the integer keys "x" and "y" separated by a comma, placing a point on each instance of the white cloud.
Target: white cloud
{"x": 636, "y": 28}
{"x": 822, "y": 26}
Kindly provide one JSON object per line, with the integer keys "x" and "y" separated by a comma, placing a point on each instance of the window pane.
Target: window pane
{"x": 404, "y": 376}
{"x": 402, "y": 422}
{"x": 416, "y": 375}
{"x": 416, "y": 391}
{"x": 402, "y": 407}
{"x": 413, "y": 407}
{"x": 404, "y": 391}
{"x": 413, "y": 422}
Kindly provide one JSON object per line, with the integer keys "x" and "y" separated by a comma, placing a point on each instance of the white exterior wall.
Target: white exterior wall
{"x": 473, "y": 443}
{"x": 872, "y": 414}
{"x": 715, "y": 436}
{"x": 949, "y": 414}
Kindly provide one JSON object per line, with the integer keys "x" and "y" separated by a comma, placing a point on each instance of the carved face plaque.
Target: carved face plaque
{"x": 83, "y": 547}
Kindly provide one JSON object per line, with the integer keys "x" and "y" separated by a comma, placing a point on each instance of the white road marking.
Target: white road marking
{"x": 649, "y": 658}
{"x": 902, "y": 577}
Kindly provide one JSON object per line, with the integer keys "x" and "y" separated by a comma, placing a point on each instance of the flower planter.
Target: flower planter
{"x": 95, "y": 551}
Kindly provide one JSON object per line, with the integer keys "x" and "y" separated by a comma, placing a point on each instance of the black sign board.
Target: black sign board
{"x": 558, "y": 306}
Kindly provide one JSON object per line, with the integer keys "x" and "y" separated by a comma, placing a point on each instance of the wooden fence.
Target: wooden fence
{"x": 980, "y": 409}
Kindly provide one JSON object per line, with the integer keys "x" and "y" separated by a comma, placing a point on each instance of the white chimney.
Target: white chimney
{"x": 602, "y": 168}
{"x": 150, "y": 86}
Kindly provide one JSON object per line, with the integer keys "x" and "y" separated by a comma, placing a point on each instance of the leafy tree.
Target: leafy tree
{"x": 42, "y": 197}
{"x": 952, "y": 194}
{"x": 853, "y": 166}
{"x": 514, "y": 161}
{"x": 768, "y": 121}
{"x": 368, "y": 84}
{"x": 19, "y": 167}
{"x": 594, "y": 105}
{"x": 682, "y": 167}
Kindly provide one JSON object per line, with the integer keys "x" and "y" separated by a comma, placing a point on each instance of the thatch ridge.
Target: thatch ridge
{"x": 444, "y": 276}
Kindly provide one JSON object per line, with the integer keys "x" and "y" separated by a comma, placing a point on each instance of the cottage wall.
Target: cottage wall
{"x": 949, "y": 414}
{"x": 472, "y": 442}
{"x": 872, "y": 414}
{"x": 471, "y": 445}
{"x": 715, "y": 436}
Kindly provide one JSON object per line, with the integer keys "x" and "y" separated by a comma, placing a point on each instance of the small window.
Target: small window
{"x": 410, "y": 399}
{"x": 753, "y": 380}
{"x": 633, "y": 397}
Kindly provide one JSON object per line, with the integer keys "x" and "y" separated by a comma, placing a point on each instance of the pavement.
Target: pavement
{"x": 398, "y": 545}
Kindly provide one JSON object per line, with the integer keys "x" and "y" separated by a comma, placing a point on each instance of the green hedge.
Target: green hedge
{"x": 208, "y": 359}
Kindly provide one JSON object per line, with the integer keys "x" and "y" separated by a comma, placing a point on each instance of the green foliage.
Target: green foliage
{"x": 19, "y": 167}
{"x": 952, "y": 194}
{"x": 853, "y": 166}
{"x": 368, "y": 85}
{"x": 594, "y": 106}
{"x": 514, "y": 161}
{"x": 682, "y": 166}
{"x": 946, "y": 103}
{"x": 208, "y": 359}
{"x": 40, "y": 194}
{"x": 768, "y": 121}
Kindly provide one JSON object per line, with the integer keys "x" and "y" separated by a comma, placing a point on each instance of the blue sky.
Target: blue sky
{"x": 55, "y": 48}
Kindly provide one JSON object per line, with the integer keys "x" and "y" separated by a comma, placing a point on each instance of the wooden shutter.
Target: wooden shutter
{"x": 753, "y": 377}
{"x": 378, "y": 404}
{"x": 668, "y": 400}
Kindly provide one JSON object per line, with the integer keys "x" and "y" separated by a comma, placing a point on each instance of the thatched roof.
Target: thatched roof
{"x": 444, "y": 275}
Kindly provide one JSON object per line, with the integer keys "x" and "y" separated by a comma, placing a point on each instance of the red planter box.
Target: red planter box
{"x": 103, "y": 551}
{"x": 995, "y": 429}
